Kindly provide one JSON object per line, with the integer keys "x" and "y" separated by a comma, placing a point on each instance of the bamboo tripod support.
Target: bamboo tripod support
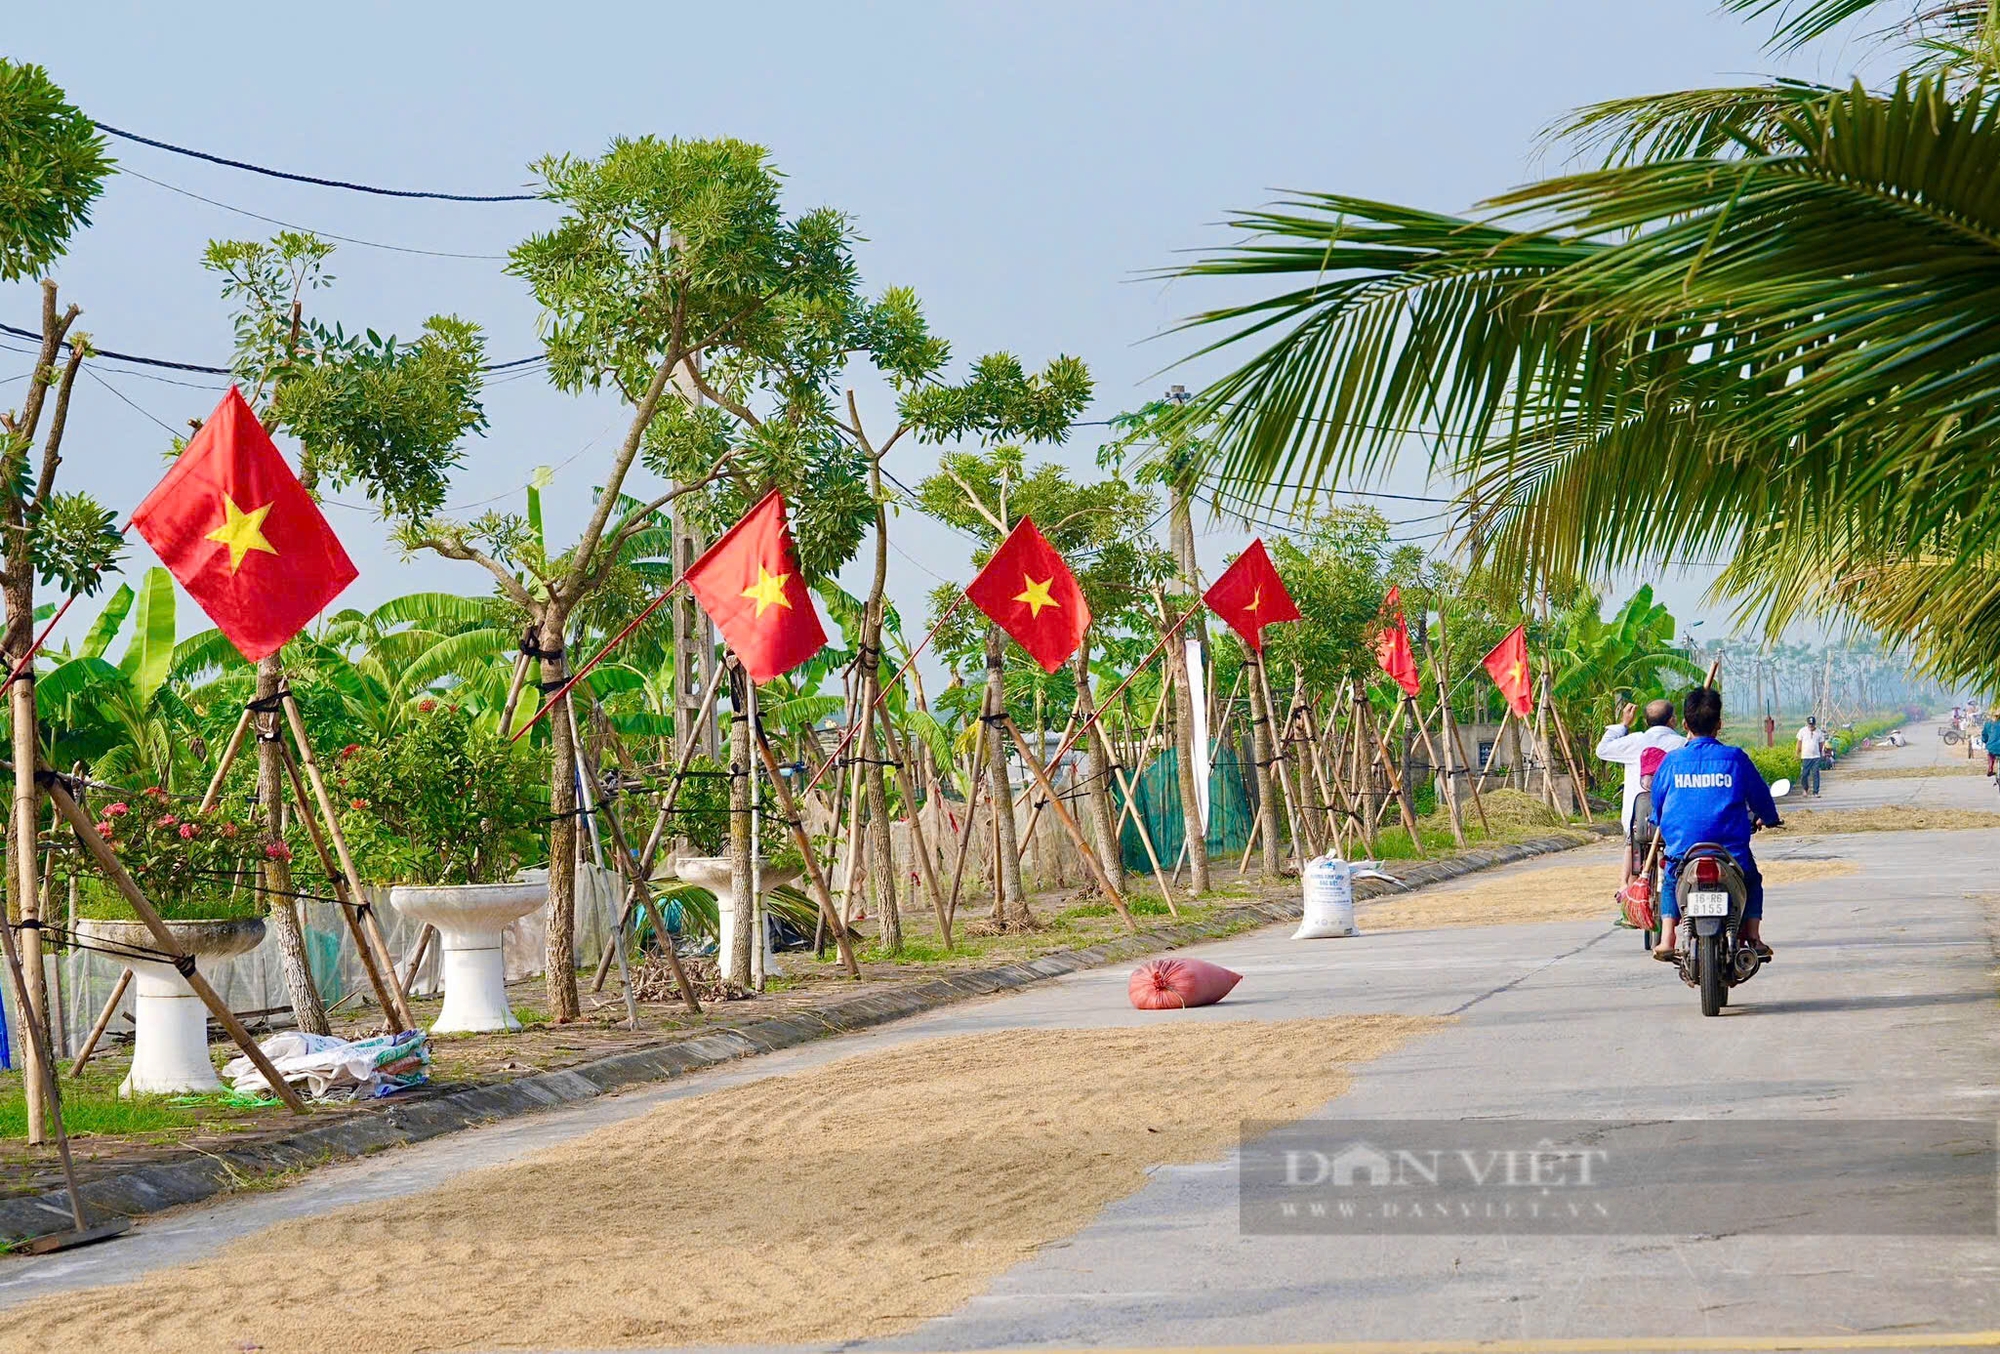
{"x": 355, "y": 909}
{"x": 114, "y": 870}
{"x": 1041, "y": 775}
{"x": 821, "y": 893}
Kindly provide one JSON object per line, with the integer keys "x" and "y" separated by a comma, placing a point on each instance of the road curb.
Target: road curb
{"x": 150, "y": 1189}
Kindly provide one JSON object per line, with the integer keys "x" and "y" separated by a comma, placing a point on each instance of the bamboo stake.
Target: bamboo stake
{"x": 637, "y": 880}
{"x": 229, "y": 752}
{"x": 1041, "y": 775}
{"x": 586, "y": 776}
{"x": 1280, "y": 753}
{"x": 416, "y": 960}
{"x": 1450, "y": 723}
{"x": 1569, "y": 757}
{"x": 514, "y": 686}
{"x": 920, "y": 846}
{"x": 349, "y": 902}
{"x": 821, "y": 893}
{"x": 43, "y": 1062}
{"x": 1494, "y": 751}
{"x": 1450, "y": 790}
{"x": 103, "y": 1023}
{"x": 965, "y": 834}
{"x": 114, "y": 869}
{"x": 1389, "y": 766}
{"x": 401, "y": 1008}
{"x": 653, "y": 841}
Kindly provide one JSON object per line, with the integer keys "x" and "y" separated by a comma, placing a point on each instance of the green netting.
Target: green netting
{"x": 1157, "y": 791}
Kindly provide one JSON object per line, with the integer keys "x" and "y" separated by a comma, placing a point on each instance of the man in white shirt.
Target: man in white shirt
{"x": 1812, "y": 751}
{"x": 1626, "y": 746}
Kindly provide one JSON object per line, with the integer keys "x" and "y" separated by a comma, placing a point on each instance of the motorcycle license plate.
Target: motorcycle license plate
{"x": 1707, "y": 905}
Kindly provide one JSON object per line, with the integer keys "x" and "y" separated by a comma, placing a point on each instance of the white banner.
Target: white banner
{"x": 1198, "y": 693}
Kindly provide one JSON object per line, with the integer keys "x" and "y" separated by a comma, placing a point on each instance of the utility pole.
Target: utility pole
{"x": 1193, "y": 654}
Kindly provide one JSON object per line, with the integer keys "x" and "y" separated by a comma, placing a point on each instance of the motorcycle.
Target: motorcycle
{"x": 1712, "y": 896}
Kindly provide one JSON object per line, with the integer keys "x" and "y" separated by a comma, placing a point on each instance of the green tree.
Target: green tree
{"x": 368, "y": 411}
{"x": 675, "y": 280}
{"x": 52, "y": 167}
{"x": 1758, "y": 332}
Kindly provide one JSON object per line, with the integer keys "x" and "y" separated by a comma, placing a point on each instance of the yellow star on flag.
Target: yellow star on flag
{"x": 1518, "y": 671}
{"x": 768, "y": 591}
{"x": 1256, "y": 600}
{"x": 1037, "y": 596}
{"x": 242, "y": 532}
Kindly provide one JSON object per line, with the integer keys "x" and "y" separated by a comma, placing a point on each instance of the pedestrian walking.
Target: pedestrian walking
{"x": 1812, "y": 755}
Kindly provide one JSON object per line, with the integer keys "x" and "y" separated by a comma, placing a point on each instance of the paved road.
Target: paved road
{"x": 1882, "y": 1004}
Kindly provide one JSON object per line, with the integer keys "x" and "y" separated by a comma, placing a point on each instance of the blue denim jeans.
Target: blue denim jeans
{"x": 1809, "y": 775}
{"x": 1753, "y": 879}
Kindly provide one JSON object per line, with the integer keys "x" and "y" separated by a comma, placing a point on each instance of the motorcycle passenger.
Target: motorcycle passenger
{"x": 1989, "y": 739}
{"x": 1709, "y": 791}
{"x": 1627, "y": 748}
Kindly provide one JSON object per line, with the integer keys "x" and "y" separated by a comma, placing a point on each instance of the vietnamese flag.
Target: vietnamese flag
{"x": 1028, "y": 591}
{"x": 749, "y": 584}
{"x": 1508, "y": 664}
{"x": 1250, "y": 596}
{"x": 1392, "y": 647}
{"x": 235, "y": 526}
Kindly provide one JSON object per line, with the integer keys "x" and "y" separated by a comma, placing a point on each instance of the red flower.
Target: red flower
{"x": 155, "y": 792}
{"x": 426, "y": 707}
{"x": 166, "y": 820}
{"x": 118, "y": 811}
{"x": 349, "y": 751}
{"x": 104, "y": 830}
{"x": 188, "y": 831}
{"x": 277, "y": 851}
{"x": 358, "y": 803}
{"x": 227, "y": 829}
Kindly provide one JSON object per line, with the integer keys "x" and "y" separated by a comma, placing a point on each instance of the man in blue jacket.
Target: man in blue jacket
{"x": 1708, "y": 791}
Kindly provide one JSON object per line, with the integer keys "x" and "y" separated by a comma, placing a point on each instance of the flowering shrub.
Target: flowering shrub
{"x": 440, "y": 802}
{"x": 191, "y": 865}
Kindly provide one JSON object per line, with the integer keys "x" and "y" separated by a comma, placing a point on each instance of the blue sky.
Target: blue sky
{"x": 1021, "y": 165}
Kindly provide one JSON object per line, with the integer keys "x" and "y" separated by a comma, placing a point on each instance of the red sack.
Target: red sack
{"x": 1175, "y": 984}
{"x": 1636, "y": 899}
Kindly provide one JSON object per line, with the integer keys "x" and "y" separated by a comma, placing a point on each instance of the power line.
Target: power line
{"x": 95, "y": 351}
{"x": 289, "y": 225}
{"x": 168, "y": 146}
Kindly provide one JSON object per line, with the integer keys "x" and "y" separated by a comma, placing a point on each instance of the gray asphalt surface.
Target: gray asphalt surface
{"x": 1881, "y": 1005}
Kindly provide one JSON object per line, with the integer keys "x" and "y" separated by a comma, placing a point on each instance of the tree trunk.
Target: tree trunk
{"x": 1267, "y": 792}
{"x": 23, "y": 874}
{"x": 881, "y": 852}
{"x": 559, "y": 956}
{"x": 1196, "y": 835}
{"x": 736, "y": 964}
{"x": 272, "y": 796}
{"x": 1013, "y": 901}
{"x": 1097, "y": 764}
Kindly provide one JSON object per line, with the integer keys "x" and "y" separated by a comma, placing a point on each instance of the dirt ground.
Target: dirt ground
{"x": 851, "y": 1200}
{"x": 1887, "y": 818}
{"x": 1548, "y": 893}
{"x": 1966, "y": 768}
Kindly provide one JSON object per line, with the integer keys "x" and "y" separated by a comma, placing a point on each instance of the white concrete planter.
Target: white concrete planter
{"x": 713, "y": 873}
{"x": 170, "y": 1041}
{"x": 469, "y": 919}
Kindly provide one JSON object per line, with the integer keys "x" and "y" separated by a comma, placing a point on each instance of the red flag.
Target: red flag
{"x": 242, "y": 535}
{"x": 1392, "y": 646}
{"x": 1029, "y": 592}
{"x": 749, "y": 584}
{"x": 1250, "y": 596}
{"x": 1508, "y": 664}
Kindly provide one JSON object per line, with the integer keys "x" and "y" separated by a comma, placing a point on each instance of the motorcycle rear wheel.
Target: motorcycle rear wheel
{"x": 1708, "y": 964}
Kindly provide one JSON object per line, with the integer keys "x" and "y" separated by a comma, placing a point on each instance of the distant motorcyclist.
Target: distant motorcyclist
{"x": 1989, "y": 738}
{"x": 1709, "y": 791}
